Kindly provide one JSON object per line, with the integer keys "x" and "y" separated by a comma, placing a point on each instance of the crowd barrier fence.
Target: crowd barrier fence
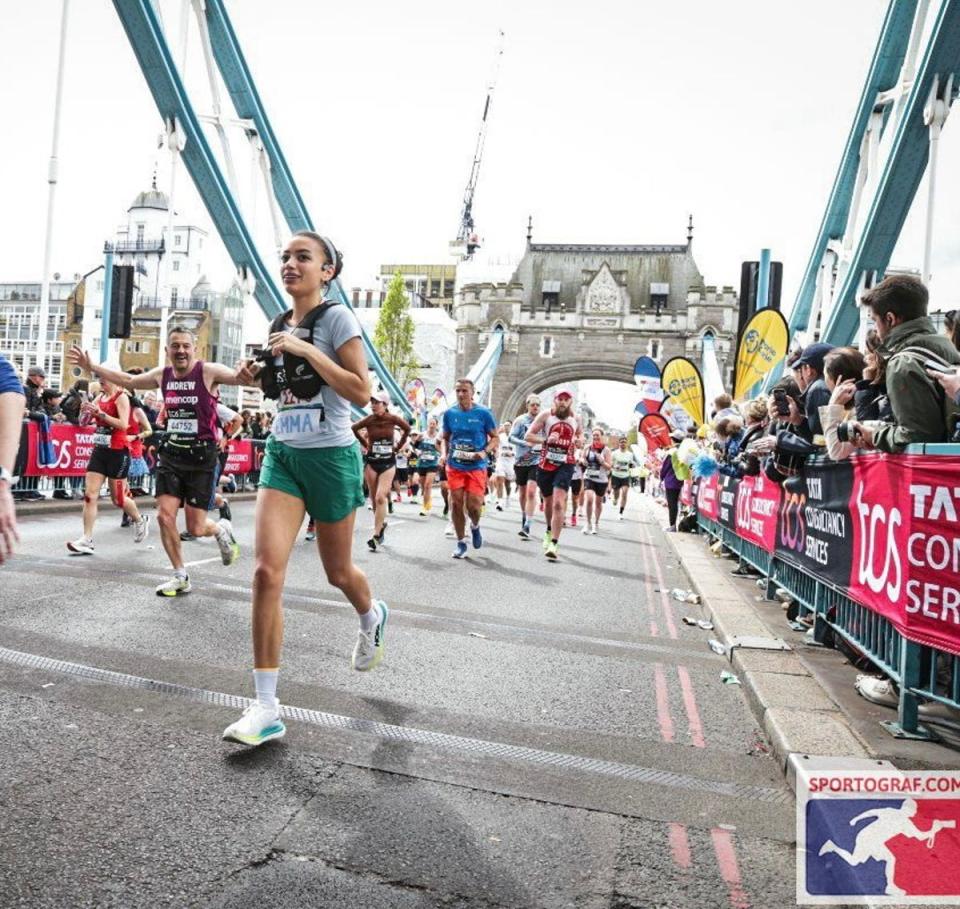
{"x": 870, "y": 549}
{"x": 48, "y": 462}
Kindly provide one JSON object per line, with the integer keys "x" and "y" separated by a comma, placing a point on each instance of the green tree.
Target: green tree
{"x": 393, "y": 336}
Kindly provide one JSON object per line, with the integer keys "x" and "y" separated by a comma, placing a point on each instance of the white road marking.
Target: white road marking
{"x": 201, "y": 562}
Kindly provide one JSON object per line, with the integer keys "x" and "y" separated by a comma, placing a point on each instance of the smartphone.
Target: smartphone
{"x": 933, "y": 366}
{"x": 781, "y": 402}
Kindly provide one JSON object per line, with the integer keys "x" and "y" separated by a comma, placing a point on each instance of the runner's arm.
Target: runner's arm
{"x": 146, "y": 429}
{"x": 535, "y": 432}
{"x": 360, "y": 426}
{"x": 144, "y": 381}
{"x": 494, "y": 437}
{"x": 122, "y": 420}
{"x": 446, "y": 446}
{"x": 12, "y": 405}
{"x": 404, "y": 428}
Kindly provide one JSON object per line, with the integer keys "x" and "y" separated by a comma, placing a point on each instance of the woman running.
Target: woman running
{"x": 377, "y": 436}
{"x": 315, "y": 363}
{"x": 576, "y": 484}
{"x": 428, "y": 451}
{"x": 109, "y": 413}
{"x": 596, "y": 460}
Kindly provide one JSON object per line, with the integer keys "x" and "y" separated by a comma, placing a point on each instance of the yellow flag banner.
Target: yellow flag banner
{"x": 683, "y": 385}
{"x": 763, "y": 345}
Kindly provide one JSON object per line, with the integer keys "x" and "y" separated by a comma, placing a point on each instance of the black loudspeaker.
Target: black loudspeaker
{"x": 121, "y": 301}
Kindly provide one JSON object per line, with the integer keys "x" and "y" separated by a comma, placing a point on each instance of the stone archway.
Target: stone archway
{"x": 556, "y": 374}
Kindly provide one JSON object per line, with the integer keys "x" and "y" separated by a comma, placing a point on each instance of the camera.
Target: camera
{"x": 847, "y": 431}
{"x": 781, "y": 402}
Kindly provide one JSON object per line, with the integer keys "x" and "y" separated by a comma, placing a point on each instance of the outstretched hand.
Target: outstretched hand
{"x": 79, "y": 357}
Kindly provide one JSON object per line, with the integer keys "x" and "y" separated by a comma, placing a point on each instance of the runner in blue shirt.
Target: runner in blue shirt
{"x": 469, "y": 438}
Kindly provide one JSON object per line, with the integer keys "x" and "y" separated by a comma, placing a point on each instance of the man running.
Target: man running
{"x": 623, "y": 461}
{"x": 376, "y": 434}
{"x": 503, "y": 473}
{"x": 558, "y": 433}
{"x": 525, "y": 463}
{"x": 469, "y": 439}
{"x": 188, "y": 454}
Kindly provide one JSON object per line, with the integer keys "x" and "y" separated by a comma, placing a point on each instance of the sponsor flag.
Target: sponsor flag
{"x": 762, "y": 346}
{"x": 656, "y": 431}
{"x": 641, "y": 409}
{"x": 683, "y": 384}
{"x": 646, "y": 374}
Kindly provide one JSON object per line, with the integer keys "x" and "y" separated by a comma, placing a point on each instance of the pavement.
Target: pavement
{"x": 538, "y": 734}
{"x": 804, "y": 697}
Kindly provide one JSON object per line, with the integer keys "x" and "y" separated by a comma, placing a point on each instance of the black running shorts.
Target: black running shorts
{"x": 525, "y": 474}
{"x": 113, "y": 463}
{"x": 550, "y": 480}
{"x": 192, "y": 484}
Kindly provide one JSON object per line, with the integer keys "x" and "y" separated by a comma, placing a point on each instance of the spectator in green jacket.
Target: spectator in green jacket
{"x": 922, "y": 411}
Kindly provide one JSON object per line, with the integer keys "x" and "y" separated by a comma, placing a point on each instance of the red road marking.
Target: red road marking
{"x": 729, "y": 870}
{"x": 680, "y": 846}
{"x": 664, "y": 596}
{"x": 690, "y": 705}
{"x": 648, "y": 586}
{"x": 664, "y": 720}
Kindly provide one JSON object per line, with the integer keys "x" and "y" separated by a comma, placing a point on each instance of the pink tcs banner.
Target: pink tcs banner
{"x": 72, "y": 447}
{"x": 707, "y": 498}
{"x": 905, "y": 516}
{"x": 758, "y": 502}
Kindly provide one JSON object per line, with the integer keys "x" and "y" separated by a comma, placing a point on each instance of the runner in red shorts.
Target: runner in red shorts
{"x": 469, "y": 439}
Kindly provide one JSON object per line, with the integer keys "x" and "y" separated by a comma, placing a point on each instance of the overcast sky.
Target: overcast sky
{"x": 612, "y": 121}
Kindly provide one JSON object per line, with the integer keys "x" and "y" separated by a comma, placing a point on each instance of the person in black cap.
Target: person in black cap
{"x": 808, "y": 369}
{"x": 33, "y": 390}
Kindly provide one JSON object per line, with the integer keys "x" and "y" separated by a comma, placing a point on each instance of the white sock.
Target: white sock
{"x": 265, "y": 682}
{"x": 371, "y": 618}
{"x": 462, "y": 540}
{"x": 180, "y": 573}
{"x": 474, "y": 526}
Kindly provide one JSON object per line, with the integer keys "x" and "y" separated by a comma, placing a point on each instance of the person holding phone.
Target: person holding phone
{"x": 843, "y": 368}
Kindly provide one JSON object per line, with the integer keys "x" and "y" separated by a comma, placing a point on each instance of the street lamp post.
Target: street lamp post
{"x": 52, "y": 170}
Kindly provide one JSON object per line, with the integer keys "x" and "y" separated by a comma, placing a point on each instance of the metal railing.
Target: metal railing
{"x": 921, "y": 673}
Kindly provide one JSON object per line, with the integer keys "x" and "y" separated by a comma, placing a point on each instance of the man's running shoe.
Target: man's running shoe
{"x": 587, "y": 528}
{"x": 547, "y": 540}
{"x": 573, "y": 520}
{"x": 142, "y": 529}
{"x": 258, "y": 724}
{"x": 449, "y": 531}
{"x": 620, "y": 516}
{"x": 446, "y": 511}
{"x": 370, "y": 644}
{"x": 372, "y": 543}
{"x": 83, "y": 546}
{"x": 461, "y": 551}
{"x": 225, "y": 513}
{"x": 524, "y": 533}
{"x": 596, "y": 527}
{"x": 551, "y": 551}
{"x": 424, "y": 512}
{"x": 174, "y": 587}
{"x": 379, "y": 536}
{"x": 187, "y": 537}
{"x": 229, "y": 547}
{"x": 125, "y": 520}
{"x": 476, "y": 536}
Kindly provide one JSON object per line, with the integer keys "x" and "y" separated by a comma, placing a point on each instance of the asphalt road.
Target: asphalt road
{"x": 538, "y": 734}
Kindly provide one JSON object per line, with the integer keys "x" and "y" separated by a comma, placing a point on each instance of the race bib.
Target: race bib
{"x": 382, "y": 449}
{"x": 507, "y": 452}
{"x": 595, "y": 476}
{"x": 181, "y": 426}
{"x": 102, "y": 439}
{"x": 555, "y": 456}
{"x": 464, "y": 451}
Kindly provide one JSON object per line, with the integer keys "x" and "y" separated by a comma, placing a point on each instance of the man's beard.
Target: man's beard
{"x": 563, "y": 411}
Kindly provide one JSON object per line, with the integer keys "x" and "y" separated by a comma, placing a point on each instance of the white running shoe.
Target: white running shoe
{"x": 258, "y": 724}
{"x": 141, "y": 529}
{"x": 174, "y": 587}
{"x": 450, "y": 532}
{"x": 370, "y": 644}
{"x": 83, "y": 546}
{"x": 587, "y": 529}
{"x": 620, "y": 516}
{"x": 229, "y": 547}
{"x": 596, "y": 527}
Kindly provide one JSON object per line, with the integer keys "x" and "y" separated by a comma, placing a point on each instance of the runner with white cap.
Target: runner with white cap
{"x": 558, "y": 433}
{"x": 377, "y": 436}
{"x": 525, "y": 463}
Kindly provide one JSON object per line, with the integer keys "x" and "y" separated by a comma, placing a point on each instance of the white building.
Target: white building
{"x": 20, "y": 324}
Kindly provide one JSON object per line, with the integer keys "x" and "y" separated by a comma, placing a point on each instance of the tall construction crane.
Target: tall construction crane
{"x": 468, "y": 241}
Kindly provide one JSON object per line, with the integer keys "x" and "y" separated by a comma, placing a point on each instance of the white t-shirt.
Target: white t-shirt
{"x": 325, "y": 420}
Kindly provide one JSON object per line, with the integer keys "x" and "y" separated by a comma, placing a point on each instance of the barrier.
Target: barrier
{"x": 869, "y": 547}
{"x": 56, "y": 461}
